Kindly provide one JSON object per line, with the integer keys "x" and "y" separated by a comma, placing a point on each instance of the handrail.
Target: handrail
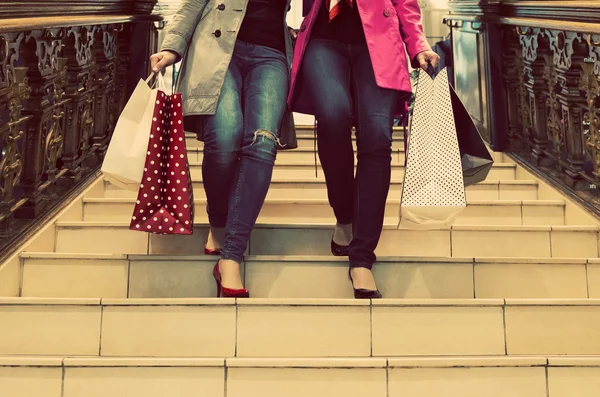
{"x": 63, "y": 82}
{"x": 584, "y": 27}
{"x": 543, "y": 69}
{"x": 32, "y": 23}
{"x": 566, "y": 10}
{"x": 66, "y": 8}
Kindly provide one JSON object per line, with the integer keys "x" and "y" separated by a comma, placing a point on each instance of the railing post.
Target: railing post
{"x": 80, "y": 110}
{"x": 16, "y": 91}
{"x": 40, "y": 52}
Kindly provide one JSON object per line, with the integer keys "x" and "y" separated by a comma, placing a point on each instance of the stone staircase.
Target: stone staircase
{"x": 506, "y": 303}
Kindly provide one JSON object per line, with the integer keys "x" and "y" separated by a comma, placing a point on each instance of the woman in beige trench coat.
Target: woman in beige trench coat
{"x": 234, "y": 80}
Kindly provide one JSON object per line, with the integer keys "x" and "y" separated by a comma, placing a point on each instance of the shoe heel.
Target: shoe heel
{"x": 217, "y": 277}
{"x": 218, "y": 289}
{"x": 227, "y": 292}
{"x": 362, "y": 293}
{"x": 208, "y": 251}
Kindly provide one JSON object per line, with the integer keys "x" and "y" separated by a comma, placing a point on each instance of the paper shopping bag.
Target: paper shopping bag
{"x": 476, "y": 159}
{"x": 165, "y": 202}
{"x": 124, "y": 160}
{"x": 433, "y": 192}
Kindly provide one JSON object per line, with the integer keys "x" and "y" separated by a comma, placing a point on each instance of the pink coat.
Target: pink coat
{"x": 392, "y": 28}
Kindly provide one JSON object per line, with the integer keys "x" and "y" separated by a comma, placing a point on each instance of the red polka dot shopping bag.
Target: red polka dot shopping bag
{"x": 165, "y": 202}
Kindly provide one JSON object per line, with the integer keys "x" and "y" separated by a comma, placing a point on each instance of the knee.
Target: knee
{"x": 335, "y": 116}
{"x": 375, "y": 140}
{"x": 223, "y": 146}
{"x": 263, "y": 146}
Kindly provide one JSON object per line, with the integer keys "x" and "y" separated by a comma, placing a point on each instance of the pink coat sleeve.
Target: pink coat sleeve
{"x": 411, "y": 29}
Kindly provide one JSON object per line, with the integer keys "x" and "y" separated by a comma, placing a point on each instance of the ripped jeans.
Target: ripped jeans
{"x": 240, "y": 142}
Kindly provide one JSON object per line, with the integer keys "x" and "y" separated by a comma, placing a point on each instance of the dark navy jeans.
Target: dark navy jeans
{"x": 240, "y": 142}
{"x": 342, "y": 84}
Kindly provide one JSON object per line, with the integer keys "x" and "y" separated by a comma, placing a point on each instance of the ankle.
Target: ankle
{"x": 346, "y": 227}
{"x": 362, "y": 278}
{"x": 230, "y": 274}
{"x": 216, "y": 238}
{"x": 342, "y": 234}
{"x": 228, "y": 264}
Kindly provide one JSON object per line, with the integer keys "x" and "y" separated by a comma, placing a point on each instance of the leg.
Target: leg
{"x": 326, "y": 68}
{"x": 222, "y": 144}
{"x": 264, "y": 97}
{"x": 374, "y": 110}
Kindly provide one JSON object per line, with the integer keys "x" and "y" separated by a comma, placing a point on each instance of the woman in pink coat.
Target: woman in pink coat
{"x": 350, "y": 69}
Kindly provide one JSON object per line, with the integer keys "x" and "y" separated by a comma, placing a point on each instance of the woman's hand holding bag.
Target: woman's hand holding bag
{"x": 162, "y": 60}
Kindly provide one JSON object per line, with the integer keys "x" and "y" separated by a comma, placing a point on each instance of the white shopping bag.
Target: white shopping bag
{"x": 433, "y": 192}
{"x": 124, "y": 161}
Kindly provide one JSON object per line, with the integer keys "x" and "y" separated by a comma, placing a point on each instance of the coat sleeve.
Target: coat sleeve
{"x": 411, "y": 29}
{"x": 182, "y": 27}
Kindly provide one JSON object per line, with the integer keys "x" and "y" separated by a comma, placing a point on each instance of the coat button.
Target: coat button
{"x": 386, "y": 13}
{"x": 289, "y": 7}
{"x": 302, "y": 28}
{"x": 217, "y": 33}
{"x": 221, "y": 6}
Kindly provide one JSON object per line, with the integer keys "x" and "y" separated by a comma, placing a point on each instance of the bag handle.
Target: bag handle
{"x": 159, "y": 81}
{"x": 173, "y": 81}
{"x": 430, "y": 70}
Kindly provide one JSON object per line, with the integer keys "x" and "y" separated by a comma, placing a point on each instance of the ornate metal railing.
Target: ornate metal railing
{"x": 63, "y": 83}
{"x": 540, "y": 61}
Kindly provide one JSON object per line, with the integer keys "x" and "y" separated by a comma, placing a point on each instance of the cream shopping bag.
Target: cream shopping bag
{"x": 126, "y": 155}
{"x": 433, "y": 193}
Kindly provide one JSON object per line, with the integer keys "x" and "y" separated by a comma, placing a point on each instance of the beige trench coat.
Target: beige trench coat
{"x": 203, "y": 33}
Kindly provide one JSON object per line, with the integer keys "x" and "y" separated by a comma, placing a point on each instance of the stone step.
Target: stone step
{"x": 457, "y": 376}
{"x": 298, "y": 327}
{"x": 305, "y": 155}
{"x": 498, "y": 212}
{"x": 315, "y": 188}
{"x": 303, "y": 239}
{"x": 306, "y": 143}
{"x": 323, "y": 277}
{"x": 196, "y": 154}
{"x": 303, "y": 170}
{"x": 306, "y": 139}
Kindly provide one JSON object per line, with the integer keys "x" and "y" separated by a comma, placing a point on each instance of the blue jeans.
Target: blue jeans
{"x": 342, "y": 84}
{"x": 240, "y": 142}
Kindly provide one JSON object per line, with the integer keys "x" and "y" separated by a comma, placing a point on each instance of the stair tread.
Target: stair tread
{"x": 321, "y": 180}
{"x": 288, "y": 163}
{"x": 296, "y": 302}
{"x": 517, "y": 228}
{"x": 307, "y": 258}
{"x": 307, "y": 132}
{"x": 500, "y": 202}
{"x": 304, "y": 362}
{"x": 299, "y": 149}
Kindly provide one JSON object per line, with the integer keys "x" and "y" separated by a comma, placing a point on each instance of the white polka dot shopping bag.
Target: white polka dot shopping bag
{"x": 165, "y": 202}
{"x": 433, "y": 192}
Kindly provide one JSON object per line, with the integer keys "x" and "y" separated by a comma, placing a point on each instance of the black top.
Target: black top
{"x": 346, "y": 27}
{"x": 263, "y": 24}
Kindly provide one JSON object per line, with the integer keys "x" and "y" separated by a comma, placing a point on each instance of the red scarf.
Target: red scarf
{"x": 335, "y": 6}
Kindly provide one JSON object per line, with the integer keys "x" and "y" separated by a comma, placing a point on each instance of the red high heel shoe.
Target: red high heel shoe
{"x": 208, "y": 251}
{"x": 227, "y": 292}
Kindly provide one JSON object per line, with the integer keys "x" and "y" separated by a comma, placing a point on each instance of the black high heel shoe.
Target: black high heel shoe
{"x": 362, "y": 293}
{"x": 339, "y": 250}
